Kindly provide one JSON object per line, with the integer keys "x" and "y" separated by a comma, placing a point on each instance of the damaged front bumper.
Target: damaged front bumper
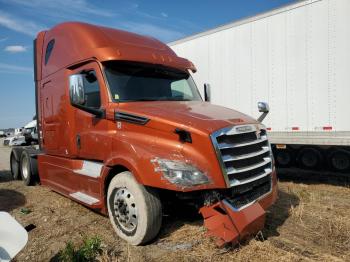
{"x": 229, "y": 224}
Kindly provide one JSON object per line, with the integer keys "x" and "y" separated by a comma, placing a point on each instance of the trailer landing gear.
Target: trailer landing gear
{"x": 228, "y": 225}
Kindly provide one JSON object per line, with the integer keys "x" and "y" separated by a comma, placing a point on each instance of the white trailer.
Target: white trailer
{"x": 297, "y": 58}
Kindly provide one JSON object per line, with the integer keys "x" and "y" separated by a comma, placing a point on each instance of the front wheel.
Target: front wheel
{"x": 134, "y": 210}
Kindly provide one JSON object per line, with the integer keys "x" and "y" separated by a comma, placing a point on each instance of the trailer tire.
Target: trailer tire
{"x": 15, "y": 170}
{"x": 135, "y": 211}
{"x": 26, "y": 169}
{"x": 310, "y": 158}
{"x": 284, "y": 157}
{"x": 339, "y": 160}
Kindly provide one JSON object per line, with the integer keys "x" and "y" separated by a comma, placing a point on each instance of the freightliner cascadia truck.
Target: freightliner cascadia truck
{"x": 297, "y": 59}
{"x": 123, "y": 127}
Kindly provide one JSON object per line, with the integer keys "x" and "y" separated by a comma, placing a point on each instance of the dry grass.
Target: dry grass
{"x": 309, "y": 222}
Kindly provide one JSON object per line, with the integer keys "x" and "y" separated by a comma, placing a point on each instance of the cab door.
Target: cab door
{"x": 91, "y": 132}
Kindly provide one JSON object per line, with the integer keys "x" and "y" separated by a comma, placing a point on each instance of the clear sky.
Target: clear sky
{"x": 20, "y": 20}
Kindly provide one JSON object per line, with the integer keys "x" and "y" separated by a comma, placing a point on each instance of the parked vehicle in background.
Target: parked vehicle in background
{"x": 122, "y": 128}
{"x": 18, "y": 140}
{"x": 30, "y": 133}
{"x": 2, "y": 134}
{"x": 18, "y": 131}
{"x": 297, "y": 58}
{"x": 27, "y": 136}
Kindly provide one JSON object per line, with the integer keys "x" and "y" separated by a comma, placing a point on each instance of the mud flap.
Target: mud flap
{"x": 229, "y": 225}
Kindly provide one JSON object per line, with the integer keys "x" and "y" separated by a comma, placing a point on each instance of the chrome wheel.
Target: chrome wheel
{"x": 25, "y": 167}
{"x": 125, "y": 210}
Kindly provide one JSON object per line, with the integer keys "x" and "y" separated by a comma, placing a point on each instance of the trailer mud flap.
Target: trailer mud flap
{"x": 228, "y": 225}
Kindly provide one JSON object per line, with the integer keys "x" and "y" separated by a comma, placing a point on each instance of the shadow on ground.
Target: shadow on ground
{"x": 10, "y": 199}
{"x": 5, "y": 176}
{"x": 279, "y": 213}
{"x": 311, "y": 177}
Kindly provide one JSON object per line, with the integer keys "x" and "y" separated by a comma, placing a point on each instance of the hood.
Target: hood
{"x": 199, "y": 115}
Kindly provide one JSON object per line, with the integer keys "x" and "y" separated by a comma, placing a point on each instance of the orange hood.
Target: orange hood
{"x": 198, "y": 115}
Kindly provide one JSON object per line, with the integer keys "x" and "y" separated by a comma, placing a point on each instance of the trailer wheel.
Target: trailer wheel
{"x": 134, "y": 210}
{"x": 14, "y": 166}
{"x": 284, "y": 157}
{"x": 309, "y": 158}
{"x": 26, "y": 168}
{"x": 339, "y": 160}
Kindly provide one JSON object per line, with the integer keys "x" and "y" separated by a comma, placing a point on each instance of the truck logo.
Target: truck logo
{"x": 242, "y": 129}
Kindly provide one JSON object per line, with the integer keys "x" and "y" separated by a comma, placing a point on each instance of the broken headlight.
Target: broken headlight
{"x": 180, "y": 173}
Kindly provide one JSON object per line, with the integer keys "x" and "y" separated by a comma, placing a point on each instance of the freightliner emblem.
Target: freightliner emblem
{"x": 241, "y": 129}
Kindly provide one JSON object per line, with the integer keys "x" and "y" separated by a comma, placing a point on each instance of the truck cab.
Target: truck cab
{"x": 121, "y": 124}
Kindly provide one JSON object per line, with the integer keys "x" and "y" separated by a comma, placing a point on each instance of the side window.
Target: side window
{"x": 181, "y": 89}
{"x": 91, "y": 90}
{"x": 49, "y": 49}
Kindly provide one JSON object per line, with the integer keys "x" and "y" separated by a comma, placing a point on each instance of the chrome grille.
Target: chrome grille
{"x": 244, "y": 153}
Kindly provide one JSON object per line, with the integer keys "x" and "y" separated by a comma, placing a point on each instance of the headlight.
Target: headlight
{"x": 180, "y": 173}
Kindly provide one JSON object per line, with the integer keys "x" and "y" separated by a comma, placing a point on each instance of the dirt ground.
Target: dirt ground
{"x": 309, "y": 222}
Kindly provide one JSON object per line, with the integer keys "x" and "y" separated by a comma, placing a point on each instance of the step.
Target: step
{"x": 82, "y": 197}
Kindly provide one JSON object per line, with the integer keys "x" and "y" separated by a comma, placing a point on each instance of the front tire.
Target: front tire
{"x": 134, "y": 210}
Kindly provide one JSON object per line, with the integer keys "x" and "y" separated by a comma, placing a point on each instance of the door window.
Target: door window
{"x": 92, "y": 90}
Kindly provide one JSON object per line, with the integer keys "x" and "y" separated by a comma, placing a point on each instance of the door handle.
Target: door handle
{"x": 78, "y": 141}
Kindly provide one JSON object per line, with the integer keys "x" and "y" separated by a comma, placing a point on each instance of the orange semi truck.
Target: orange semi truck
{"x": 122, "y": 126}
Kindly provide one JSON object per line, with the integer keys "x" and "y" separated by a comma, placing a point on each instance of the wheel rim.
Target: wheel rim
{"x": 125, "y": 209}
{"x": 340, "y": 161}
{"x": 25, "y": 167}
{"x": 14, "y": 166}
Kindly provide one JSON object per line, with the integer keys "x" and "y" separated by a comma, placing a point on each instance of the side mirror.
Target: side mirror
{"x": 76, "y": 89}
{"x": 207, "y": 95}
{"x": 264, "y": 108}
{"x": 77, "y": 96}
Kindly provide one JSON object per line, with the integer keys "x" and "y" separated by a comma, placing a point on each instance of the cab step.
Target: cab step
{"x": 82, "y": 197}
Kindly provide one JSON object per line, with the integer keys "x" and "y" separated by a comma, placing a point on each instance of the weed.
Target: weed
{"x": 89, "y": 250}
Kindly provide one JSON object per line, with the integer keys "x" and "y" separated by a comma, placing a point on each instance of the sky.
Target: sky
{"x": 21, "y": 20}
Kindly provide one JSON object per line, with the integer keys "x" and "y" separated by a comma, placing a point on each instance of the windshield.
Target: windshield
{"x": 142, "y": 82}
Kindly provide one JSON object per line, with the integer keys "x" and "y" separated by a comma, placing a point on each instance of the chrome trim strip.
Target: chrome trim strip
{"x": 237, "y": 182}
{"x": 213, "y": 137}
{"x": 257, "y": 141}
{"x": 252, "y": 167}
{"x": 245, "y": 156}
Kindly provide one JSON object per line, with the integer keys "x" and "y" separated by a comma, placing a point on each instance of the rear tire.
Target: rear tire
{"x": 15, "y": 170}
{"x": 26, "y": 169}
{"x": 309, "y": 158}
{"x": 134, "y": 210}
{"x": 339, "y": 160}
